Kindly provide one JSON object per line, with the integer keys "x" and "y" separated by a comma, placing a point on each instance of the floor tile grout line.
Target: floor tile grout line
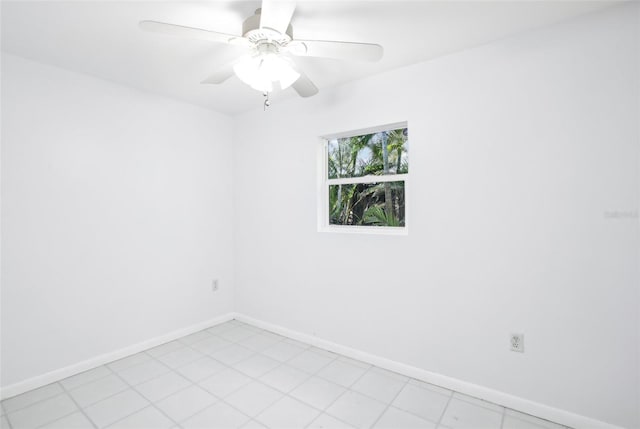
{"x": 421, "y": 417}
{"x": 232, "y": 366}
{"x": 84, "y": 383}
{"x": 257, "y": 379}
{"x": 337, "y": 357}
{"x": 322, "y": 413}
{"x": 284, "y": 394}
{"x": 287, "y": 394}
{"x": 6, "y": 416}
{"x": 253, "y": 333}
{"x": 143, "y": 352}
{"x": 347, "y": 389}
{"x": 99, "y": 400}
{"x": 210, "y": 354}
{"x": 255, "y": 421}
{"x": 179, "y": 423}
{"x": 64, "y": 392}
{"x": 535, "y": 417}
{"x": 462, "y": 397}
{"x": 449, "y": 397}
{"x": 237, "y": 343}
{"x": 111, "y": 371}
{"x": 334, "y": 358}
{"x": 255, "y": 352}
{"x": 389, "y": 404}
{"x": 285, "y": 362}
{"x": 60, "y": 418}
{"x": 81, "y": 409}
{"x": 444, "y": 410}
{"x": 151, "y": 403}
{"x": 205, "y": 331}
{"x": 68, "y": 390}
{"x": 106, "y": 366}
{"x": 177, "y": 340}
{"x": 252, "y": 378}
{"x": 282, "y": 364}
{"x": 331, "y": 360}
{"x": 219, "y": 400}
{"x": 192, "y": 383}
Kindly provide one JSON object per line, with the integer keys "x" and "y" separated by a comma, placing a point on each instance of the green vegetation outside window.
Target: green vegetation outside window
{"x": 365, "y": 178}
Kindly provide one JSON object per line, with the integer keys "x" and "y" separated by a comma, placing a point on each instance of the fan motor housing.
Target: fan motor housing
{"x": 252, "y": 31}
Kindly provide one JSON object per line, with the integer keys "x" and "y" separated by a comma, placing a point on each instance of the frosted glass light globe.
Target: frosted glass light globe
{"x": 261, "y": 71}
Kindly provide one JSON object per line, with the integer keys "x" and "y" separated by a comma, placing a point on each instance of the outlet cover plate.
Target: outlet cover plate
{"x": 516, "y": 342}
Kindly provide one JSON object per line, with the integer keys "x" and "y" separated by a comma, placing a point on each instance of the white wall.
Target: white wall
{"x": 520, "y": 152}
{"x": 116, "y": 216}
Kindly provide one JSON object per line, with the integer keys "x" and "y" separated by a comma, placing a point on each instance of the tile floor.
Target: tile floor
{"x": 235, "y": 375}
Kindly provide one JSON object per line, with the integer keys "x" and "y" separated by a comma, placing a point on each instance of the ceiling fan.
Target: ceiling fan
{"x": 268, "y": 39}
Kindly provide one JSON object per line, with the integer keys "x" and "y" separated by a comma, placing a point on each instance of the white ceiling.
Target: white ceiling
{"x": 102, "y": 38}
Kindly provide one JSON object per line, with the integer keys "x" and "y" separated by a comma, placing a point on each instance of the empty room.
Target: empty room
{"x": 320, "y": 214}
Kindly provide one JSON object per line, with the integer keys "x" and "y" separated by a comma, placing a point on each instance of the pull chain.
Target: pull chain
{"x": 267, "y": 103}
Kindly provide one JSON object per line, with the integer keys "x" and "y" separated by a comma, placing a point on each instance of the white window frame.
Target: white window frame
{"x": 324, "y": 182}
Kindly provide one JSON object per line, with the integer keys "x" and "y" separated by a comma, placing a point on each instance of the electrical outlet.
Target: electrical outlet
{"x": 214, "y": 285}
{"x": 517, "y": 342}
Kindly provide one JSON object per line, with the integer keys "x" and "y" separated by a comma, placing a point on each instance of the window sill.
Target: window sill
{"x": 367, "y": 230}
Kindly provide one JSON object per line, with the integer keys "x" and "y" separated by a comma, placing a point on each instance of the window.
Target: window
{"x": 364, "y": 177}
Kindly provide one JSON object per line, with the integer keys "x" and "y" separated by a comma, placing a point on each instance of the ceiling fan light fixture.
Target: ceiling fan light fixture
{"x": 261, "y": 71}
{"x": 268, "y": 37}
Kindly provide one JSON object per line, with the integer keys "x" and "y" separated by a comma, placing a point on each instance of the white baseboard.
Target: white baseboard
{"x": 514, "y": 402}
{"x": 520, "y": 404}
{"x": 68, "y": 371}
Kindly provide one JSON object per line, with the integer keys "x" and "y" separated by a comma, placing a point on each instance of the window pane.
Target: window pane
{"x": 367, "y": 204}
{"x": 384, "y": 152}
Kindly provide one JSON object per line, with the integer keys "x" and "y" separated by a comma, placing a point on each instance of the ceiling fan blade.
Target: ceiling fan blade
{"x": 191, "y": 32}
{"x": 276, "y": 14}
{"x": 335, "y": 49}
{"x": 221, "y": 74}
{"x": 304, "y": 87}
